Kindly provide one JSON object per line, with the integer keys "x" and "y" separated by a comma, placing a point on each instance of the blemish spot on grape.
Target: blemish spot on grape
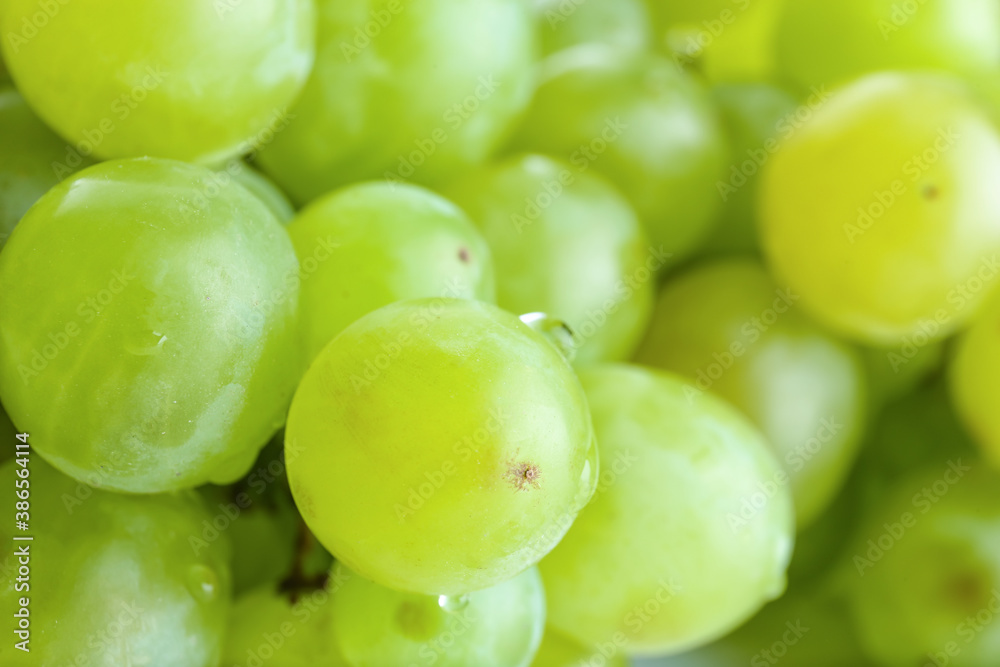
{"x": 463, "y": 254}
{"x": 524, "y": 475}
{"x": 931, "y": 192}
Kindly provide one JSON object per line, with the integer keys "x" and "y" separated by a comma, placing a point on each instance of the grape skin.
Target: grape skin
{"x": 372, "y": 111}
{"x": 499, "y": 626}
{"x": 904, "y": 247}
{"x": 730, "y": 329}
{"x": 148, "y": 338}
{"x": 371, "y": 244}
{"x": 114, "y": 578}
{"x": 128, "y": 79}
{"x": 667, "y": 556}
{"x": 578, "y": 255}
{"x": 649, "y": 128}
{"x": 439, "y": 446}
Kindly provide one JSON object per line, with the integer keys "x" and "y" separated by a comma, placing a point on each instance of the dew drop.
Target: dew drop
{"x": 202, "y": 583}
{"x": 453, "y": 603}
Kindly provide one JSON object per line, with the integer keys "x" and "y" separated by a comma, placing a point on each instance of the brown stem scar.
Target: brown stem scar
{"x": 524, "y": 475}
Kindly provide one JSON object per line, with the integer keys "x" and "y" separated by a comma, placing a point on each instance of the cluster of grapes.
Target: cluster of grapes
{"x": 500, "y": 333}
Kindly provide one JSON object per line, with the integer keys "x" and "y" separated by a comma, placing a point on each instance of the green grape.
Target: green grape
{"x": 263, "y": 188}
{"x": 647, "y": 126}
{"x": 923, "y": 577}
{"x": 728, "y": 328}
{"x": 267, "y": 627}
{"x": 187, "y": 79}
{"x": 689, "y": 532}
{"x": 893, "y": 374}
{"x": 34, "y": 160}
{"x": 440, "y": 446}
{"x": 727, "y": 40}
{"x": 757, "y": 116}
{"x": 974, "y": 383}
{"x": 371, "y": 244}
{"x": 415, "y": 90}
{"x": 567, "y": 245}
{"x": 807, "y": 628}
{"x": 111, "y": 579}
{"x": 820, "y": 42}
{"x": 148, "y": 334}
{"x": 623, "y": 24}
{"x": 499, "y": 626}
{"x": 903, "y": 247}
{"x": 559, "y": 651}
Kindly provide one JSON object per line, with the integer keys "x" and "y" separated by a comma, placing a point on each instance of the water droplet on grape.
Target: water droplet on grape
{"x": 202, "y": 583}
{"x": 453, "y": 603}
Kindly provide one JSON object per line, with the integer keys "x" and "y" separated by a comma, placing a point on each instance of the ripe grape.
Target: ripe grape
{"x": 644, "y": 124}
{"x": 405, "y": 91}
{"x": 148, "y": 336}
{"x": 268, "y": 627}
{"x": 128, "y": 79}
{"x": 568, "y": 245}
{"x": 499, "y": 626}
{"x": 729, "y": 328}
{"x": 820, "y": 42}
{"x": 113, "y": 579}
{"x": 34, "y": 159}
{"x": 923, "y": 575}
{"x": 623, "y": 24}
{"x": 440, "y": 446}
{"x": 757, "y": 116}
{"x": 371, "y": 244}
{"x": 975, "y": 383}
{"x": 689, "y": 532}
{"x": 902, "y": 250}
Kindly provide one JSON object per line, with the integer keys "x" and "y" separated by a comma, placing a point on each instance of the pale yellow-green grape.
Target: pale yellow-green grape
{"x": 821, "y": 42}
{"x": 974, "y": 374}
{"x": 440, "y": 446}
{"x": 647, "y": 126}
{"x": 148, "y": 335}
{"x": 108, "y": 579}
{"x": 405, "y": 90}
{"x": 33, "y": 159}
{"x": 882, "y": 210}
{"x": 689, "y": 532}
{"x": 923, "y": 576}
{"x": 729, "y": 329}
{"x": 263, "y": 188}
{"x": 727, "y": 40}
{"x": 757, "y": 116}
{"x": 804, "y": 628}
{"x": 127, "y": 79}
{"x": 500, "y": 626}
{"x": 268, "y": 627}
{"x": 623, "y": 24}
{"x": 560, "y": 651}
{"x": 894, "y": 373}
{"x": 568, "y": 245}
{"x": 372, "y": 244}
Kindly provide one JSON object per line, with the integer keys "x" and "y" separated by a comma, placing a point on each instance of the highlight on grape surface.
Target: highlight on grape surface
{"x": 500, "y": 333}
